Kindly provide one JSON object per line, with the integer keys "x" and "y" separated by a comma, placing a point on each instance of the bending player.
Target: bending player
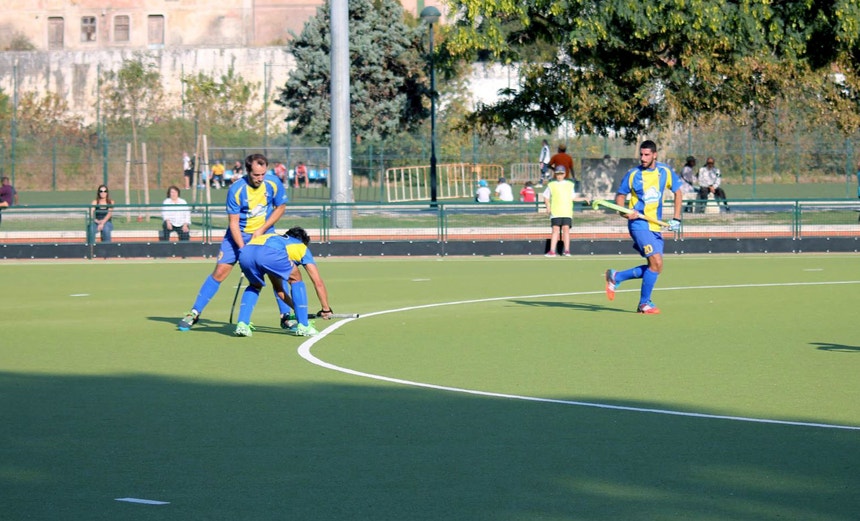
{"x": 288, "y": 321}
{"x": 645, "y": 185}
{"x": 254, "y": 204}
{"x": 277, "y": 256}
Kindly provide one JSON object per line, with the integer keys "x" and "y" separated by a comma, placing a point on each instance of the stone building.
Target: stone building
{"x": 61, "y": 46}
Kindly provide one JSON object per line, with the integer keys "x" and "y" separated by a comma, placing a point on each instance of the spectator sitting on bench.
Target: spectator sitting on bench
{"x": 176, "y": 215}
{"x": 709, "y": 182}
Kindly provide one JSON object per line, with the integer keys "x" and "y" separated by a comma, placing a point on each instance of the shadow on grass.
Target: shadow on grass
{"x": 71, "y": 445}
{"x": 214, "y": 326}
{"x": 839, "y": 348}
{"x": 573, "y": 306}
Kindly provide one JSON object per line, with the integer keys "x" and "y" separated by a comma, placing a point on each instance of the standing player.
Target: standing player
{"x": 254, "y": 204}
{"x": 645, "y": 185}
{"x": 278, "y": 256}
{"x": 559, "y": 196}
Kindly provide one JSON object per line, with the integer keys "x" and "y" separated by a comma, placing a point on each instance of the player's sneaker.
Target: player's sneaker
{"x": 567, "y": 254}
{"x": 300, "y": 330}
{"x": 610, "y": 284}
{"x": 288, "y": 320}
{"x": 188, "y": 320}
{"x": 648, "y": 308}
{"x": 243, "y": 329}
{"x": 550, "y": 254}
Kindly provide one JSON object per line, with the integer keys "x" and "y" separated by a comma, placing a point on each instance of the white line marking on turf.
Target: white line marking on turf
{"x": 304, "y": 351}
{"x": 142, "y": 501}
{"x": 79, "y": 295}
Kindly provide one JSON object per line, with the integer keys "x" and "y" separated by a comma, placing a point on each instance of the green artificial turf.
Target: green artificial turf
{"x": 101, "y": 398}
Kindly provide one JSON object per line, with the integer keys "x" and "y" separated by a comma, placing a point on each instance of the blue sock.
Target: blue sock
{"x": 249, "y": 300}
{"x": 300, "y": 301}
{"x": 649, "y": 279}
{"x": 283, "y": 308}
{"x": 207, "y": 291}
{"x": 632, "y": 273}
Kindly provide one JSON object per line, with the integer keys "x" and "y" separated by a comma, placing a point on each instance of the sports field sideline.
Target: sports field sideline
{"x": 470, "y": 388}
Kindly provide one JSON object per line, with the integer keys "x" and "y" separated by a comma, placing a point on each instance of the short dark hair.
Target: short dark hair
{"x": 255, "y": 158}
{"x": 648, "y": 144}
{"x": 297, "y": 232}
{"x": 173, "y": 187}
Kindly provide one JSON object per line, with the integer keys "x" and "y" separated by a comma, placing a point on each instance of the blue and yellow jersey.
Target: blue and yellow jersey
{"x": 296, "y": 250}
{"x": 645, "y": 188}
{"x": 255, "y": 205}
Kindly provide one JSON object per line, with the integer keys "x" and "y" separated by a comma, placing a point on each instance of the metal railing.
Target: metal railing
{"x": 446, "y": 221}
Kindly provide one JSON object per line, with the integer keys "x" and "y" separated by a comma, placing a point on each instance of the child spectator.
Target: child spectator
{"x": 527, "y": 194}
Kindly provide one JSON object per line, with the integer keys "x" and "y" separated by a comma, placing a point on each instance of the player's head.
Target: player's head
{"x": 691, "y": 160}
{"x": 297, "y": 232}
{"x": 482, "y": 182}
{"x": 256, "y": 166}
{"x": 648, "y": 154}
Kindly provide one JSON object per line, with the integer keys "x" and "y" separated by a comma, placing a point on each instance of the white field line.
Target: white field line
{"x": 304, "y": 351}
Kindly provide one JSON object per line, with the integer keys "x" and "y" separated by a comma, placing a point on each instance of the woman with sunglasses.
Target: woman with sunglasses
{"x": 101, "y": 212}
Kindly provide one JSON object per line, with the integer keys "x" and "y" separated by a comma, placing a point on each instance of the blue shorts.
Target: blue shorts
{"x": 229, "y": 253}
{"x": 646, "y": 242}
{"x": 258, "y": 260}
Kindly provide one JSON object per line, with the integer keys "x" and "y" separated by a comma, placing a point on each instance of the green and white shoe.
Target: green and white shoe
{"x": 301, "y": 330}
{"x": 243, "y": 329}
{"x": 188, "y": 320}
{"x": 288, "y": 321}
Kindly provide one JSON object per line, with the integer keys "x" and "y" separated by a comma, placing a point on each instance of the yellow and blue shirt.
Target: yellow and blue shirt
{"x": 255, "y": 205}
{"x": 645, "y": 188}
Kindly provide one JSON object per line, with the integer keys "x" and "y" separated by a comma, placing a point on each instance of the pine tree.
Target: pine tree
{"x": 388, "y": 85}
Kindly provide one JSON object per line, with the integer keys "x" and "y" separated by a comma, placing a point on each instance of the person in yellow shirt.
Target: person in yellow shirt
{"x": 218, "y": 174}
{"x": 559, "y": 196}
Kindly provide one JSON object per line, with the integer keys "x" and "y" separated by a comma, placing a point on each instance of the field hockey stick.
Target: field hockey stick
{"x": 337, "y": 315}
{"x": 612, "y": 206}
{"x": 236, "y": 296}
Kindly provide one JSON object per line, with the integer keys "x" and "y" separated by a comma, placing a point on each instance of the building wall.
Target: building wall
{"x": 199, "y": 36}
{"x": 73, "y": 75}
{"x": 184, "y": 23}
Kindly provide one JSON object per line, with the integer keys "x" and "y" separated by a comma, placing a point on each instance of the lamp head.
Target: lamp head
{"x": 430, "y": 14}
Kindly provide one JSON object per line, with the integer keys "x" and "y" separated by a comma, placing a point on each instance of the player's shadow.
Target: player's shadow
{"x": 574, "y": 306}
{"x": 838, "y": 348}
{"x": 214, "y": 326}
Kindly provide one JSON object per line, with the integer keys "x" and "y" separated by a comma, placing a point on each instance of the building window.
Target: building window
{"x": 121, "y": 28}
{"x": 88, "y": 29}
{"x": 56, "y": 30}
{"x": 156, "y": 29}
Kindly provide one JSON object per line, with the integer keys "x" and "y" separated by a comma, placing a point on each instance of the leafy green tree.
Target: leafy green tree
{"x": 227, "y": 102}
{"x": 133, "y": 94}
{"x": 628, "y": 67}
{"x": 46, "y": 117}
{"x": 388, "y": 84}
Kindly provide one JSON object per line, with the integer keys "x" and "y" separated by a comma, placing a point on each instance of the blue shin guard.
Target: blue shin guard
{"x": 249, "y": 300}
{"x": 207, "y": 291}
{"x": 300, "y": 301}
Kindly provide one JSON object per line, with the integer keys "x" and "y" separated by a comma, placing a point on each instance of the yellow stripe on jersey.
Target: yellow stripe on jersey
{"x": 296, "y": 251}
{"x": 258, "y": 205}
{"x": 261, "y": 239}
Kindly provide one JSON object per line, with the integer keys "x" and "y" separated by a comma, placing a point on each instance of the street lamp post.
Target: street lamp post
{"x": 431, "y": 15}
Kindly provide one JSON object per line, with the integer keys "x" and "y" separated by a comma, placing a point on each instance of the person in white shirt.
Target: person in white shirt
{"x": 483, "y": 194}
{"x": 543, "y": 161}
{"x": 504, "y": 192}
{"x": 176, "y": 215}
{"x": 709, "y": 182}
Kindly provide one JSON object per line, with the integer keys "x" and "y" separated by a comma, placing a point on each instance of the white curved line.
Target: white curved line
{"x": 304, "y": 351}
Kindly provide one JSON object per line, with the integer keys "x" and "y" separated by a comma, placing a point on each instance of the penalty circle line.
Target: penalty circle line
{"x": 304, "y": 350}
